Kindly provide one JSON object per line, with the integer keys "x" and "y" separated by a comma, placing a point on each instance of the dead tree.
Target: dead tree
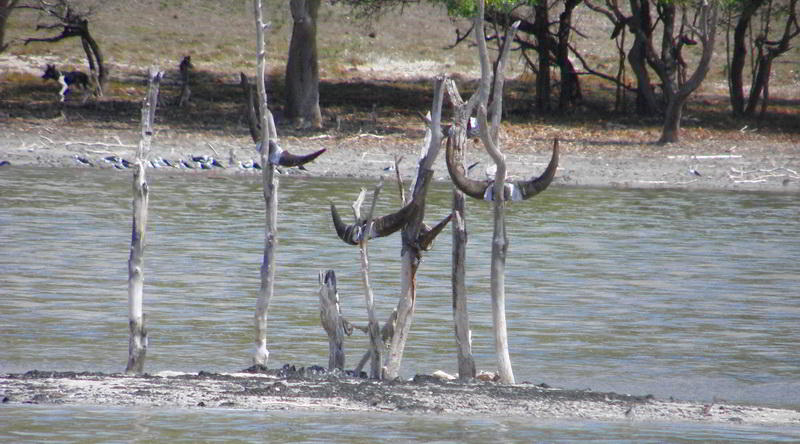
{"x": 416, "y": 236}
{"x": 497, "y": 191}
{"x": 272, "y": 155}
{"x": 137, "y": 344}
{"x": 456, "y": 143}
{"x": 373, "y": 329}
{"x": 73, "y": 23}
{"x": 335, "y": 325}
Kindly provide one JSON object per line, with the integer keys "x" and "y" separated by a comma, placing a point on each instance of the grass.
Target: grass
{"x": 385, "y": 64}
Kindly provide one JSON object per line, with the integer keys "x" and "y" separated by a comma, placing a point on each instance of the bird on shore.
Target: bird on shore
{"x": 186, "y": 164}
{"x": 83, "y": 160}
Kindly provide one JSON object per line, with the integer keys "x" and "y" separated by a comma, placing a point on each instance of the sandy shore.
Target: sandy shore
{"x": 307, "y": 389}
{"x": 703, "y": 165}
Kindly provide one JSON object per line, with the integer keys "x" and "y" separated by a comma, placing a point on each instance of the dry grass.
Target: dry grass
{"x": 385, "y": 64}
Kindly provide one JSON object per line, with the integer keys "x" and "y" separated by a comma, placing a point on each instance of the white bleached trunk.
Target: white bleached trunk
{"x": 270, "y": 183}
{"x": 411, "y": 254}
{"x": 137, "y": 343}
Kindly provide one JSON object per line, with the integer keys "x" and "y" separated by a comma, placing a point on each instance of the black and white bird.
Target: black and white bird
{"x": 83, "y": 160}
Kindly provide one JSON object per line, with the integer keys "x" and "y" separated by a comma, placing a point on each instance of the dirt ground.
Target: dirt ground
{"x": 315, "y": 389}
{"x": 714, "y": 164}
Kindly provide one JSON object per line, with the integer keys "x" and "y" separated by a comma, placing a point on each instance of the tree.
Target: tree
{"x": 682, "y": 25}
{"x": 766, "y": 50}
{"x": 671, "y": 63}
{"x": 74, "y": 24}
{"x": 302, "y": 67}
{"x": 496, "y": 191}
{"x": 6, "y": 6}
{"x": 416, "y": 236}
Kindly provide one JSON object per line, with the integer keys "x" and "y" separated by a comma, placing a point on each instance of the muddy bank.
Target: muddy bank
{"x": 316, "y": 389}
{"x": 716, "y": 164}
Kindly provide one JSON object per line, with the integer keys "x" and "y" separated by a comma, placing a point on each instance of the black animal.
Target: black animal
{"x": 76, "y": 78}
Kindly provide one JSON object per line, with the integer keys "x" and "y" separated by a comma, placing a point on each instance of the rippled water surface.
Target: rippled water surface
{"x": 685, "y": 294}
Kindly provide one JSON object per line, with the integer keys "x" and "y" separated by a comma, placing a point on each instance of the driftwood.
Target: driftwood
{"x": 333, "y": 322}
{"x": 137, "y": 344}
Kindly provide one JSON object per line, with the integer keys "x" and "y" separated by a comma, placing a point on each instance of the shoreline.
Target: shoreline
{"x": 715, "y": 165}
{"x": 314, "y": 389}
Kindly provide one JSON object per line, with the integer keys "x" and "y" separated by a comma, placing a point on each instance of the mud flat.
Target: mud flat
{"x": 314, "y": 389}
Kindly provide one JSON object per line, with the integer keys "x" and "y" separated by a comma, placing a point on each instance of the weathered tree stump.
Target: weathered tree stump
{"x": 137, "y": 344}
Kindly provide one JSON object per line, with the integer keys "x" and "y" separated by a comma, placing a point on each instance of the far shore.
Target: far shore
{"x": 718, "y": 164}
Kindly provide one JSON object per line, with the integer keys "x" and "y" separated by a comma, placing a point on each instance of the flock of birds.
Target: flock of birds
{"x": 192, "y": 163}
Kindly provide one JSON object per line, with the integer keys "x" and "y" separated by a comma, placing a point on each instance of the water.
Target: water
{"x": 685, "y": 294}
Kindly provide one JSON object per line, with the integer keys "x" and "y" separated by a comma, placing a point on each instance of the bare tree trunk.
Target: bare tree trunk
{"x": 137, "y": 344}
{"x": 375, "y": 342}
{"x": 302, "y": 67}
{"x": 270, "y": 184}
{"x": 411, "y": 253}
{"x": 570, "y": 85}
{"x": 542, "y": 24}
{"x": 458, "y": 138}
{"x": 94, "y": 55}
{"x": 646, "y": 102}
{"x": 331, "y": 317}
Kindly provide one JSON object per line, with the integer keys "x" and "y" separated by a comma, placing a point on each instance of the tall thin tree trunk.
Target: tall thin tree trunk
{"x": 137, "y": 344}
{"x": 646, "y": 102}
{"x": 466, "y": 363}
{"x": 542, "y": 24}
{"x": 270, "y": 185}
{"x": 458, "y": 139}
{"x": 411, "y": 253}
{"x": 302, "y": 67}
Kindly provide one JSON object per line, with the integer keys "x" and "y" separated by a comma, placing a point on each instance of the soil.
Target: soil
{"x": 715, "y": 164}
{"x": 314, "y": 388}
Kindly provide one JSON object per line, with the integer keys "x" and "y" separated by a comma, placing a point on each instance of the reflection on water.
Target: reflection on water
{"x": 685, "y": 294}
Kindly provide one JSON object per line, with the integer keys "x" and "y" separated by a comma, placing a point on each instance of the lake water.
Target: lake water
{"x": 672, "y": 293}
